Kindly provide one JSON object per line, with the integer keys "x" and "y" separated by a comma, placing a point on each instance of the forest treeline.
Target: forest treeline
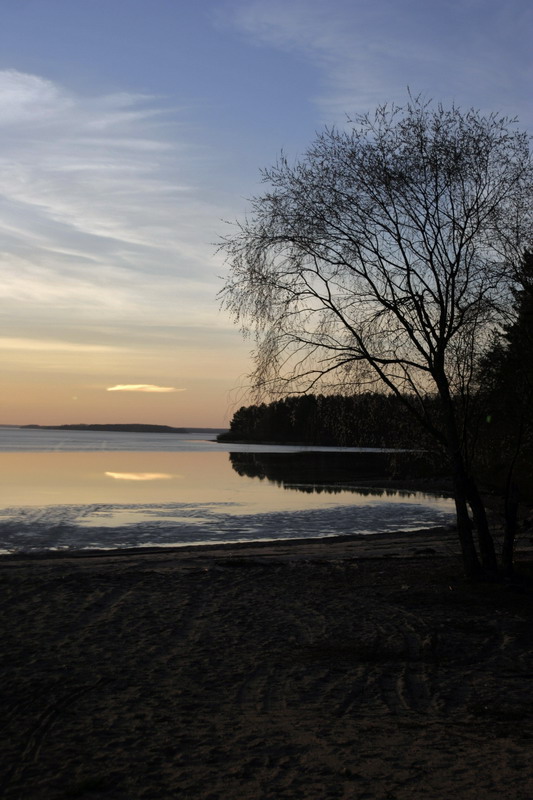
{"x": 364, "y": 420}
{"x": 504, "y": 430}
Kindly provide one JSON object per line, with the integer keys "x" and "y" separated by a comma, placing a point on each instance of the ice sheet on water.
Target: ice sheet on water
{"x": 119, "y": 526}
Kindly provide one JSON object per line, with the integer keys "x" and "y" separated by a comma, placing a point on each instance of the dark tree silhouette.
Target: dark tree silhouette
{"x": 368, "y": 419}
{"x": 383, "y": 257}
{"x": 506, "y": 378}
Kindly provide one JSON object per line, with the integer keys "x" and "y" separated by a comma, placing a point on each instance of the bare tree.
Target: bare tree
{"x": 386, "y": 254}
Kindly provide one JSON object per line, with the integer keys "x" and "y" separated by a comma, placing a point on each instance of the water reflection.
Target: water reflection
{"x": 135, "y": 499}
{"x": 141, "y": 476}
{"x": 333, "y": 473}
{"x": 251, "y": 482}
{"x": 363, "y": 491}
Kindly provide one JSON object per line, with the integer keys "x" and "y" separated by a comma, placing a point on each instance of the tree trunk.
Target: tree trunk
{"x": 471, "y": 563}
{"x": 466, "y": 492}
{"x": 486, "y": 543}
{"x": 511, "y": 526}
{"x": 512, "y": 498}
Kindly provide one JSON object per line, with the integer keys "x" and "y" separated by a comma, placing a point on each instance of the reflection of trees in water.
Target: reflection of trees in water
{"x": 365, "y": 491}
{"x": 332, "y": 472}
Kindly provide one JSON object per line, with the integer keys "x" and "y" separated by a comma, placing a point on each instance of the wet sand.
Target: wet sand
{"x": 355, "y": 668}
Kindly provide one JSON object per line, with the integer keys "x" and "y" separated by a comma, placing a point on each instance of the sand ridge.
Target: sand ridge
{"x": 333, "y": 669}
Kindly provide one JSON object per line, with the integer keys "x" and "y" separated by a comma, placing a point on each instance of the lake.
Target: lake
{"x": 85, "y": 489}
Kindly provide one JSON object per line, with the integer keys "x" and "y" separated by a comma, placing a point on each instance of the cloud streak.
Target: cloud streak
{"x": 142, "y": 387}
{"x": 368, "y": 53}
{"x": 51, "y": 346}
{"x": 100, "y": 211}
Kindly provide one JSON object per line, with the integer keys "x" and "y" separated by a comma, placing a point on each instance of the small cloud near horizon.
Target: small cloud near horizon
{"x": 142, "y": 387}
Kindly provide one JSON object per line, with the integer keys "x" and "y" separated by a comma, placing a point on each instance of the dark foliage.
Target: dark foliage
{"x": 365, "y": 420}
{"x": 505, "y": 451}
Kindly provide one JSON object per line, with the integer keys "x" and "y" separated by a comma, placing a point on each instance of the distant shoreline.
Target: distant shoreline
{"x": 122, "y": 428}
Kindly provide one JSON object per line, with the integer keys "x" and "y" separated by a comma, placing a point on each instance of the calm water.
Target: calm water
{"x": 15, "y": 440}
{"x": 78, "y": 489}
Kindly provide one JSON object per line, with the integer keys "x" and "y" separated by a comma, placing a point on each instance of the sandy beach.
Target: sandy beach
{"x": 325, "y": 669}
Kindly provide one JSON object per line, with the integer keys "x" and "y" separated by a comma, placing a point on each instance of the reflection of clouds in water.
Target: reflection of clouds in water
{"x": 141, "y": 476}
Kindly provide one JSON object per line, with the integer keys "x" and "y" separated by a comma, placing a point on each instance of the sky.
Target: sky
{"x": 132, "y": 133}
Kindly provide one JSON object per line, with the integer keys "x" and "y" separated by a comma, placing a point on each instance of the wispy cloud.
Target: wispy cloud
{"x": 474, "y": 52}
{"x": 52, "y": 346}
{"x": 353, "y": 46}
{"x": 142, "y": 387}
{"x": 100, "y": 212}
